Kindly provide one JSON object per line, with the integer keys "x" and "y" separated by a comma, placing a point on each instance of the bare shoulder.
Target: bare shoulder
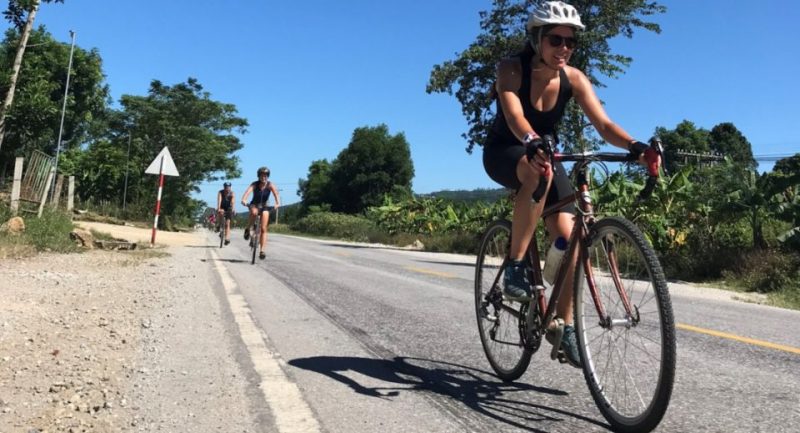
{"x": 509, "y": 74}
{"x": 575, "y": 75}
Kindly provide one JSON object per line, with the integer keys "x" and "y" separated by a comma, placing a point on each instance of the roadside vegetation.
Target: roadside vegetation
{"x": 50, "y": 233}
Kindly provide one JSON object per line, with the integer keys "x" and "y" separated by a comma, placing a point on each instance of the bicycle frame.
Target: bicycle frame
{"x": 584, "y": 219}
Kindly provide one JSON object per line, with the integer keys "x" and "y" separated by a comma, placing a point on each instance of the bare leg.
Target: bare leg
{"x": 526, "y": 213}
{"x": 264, "y": 225}
{"x": 560, "y": 224}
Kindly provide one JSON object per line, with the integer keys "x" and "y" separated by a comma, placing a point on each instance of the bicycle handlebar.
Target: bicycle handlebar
{"x": 652, "y": 154}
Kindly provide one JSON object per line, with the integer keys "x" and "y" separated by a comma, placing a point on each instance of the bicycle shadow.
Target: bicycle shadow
{"x": 467, "y": 385}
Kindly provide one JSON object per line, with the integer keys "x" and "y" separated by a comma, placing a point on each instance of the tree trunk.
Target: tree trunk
{"x": 23, "y": 42}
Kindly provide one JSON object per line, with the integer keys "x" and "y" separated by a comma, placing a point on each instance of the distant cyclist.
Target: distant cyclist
{"x": 261, "y": 190}
{"x": 533, "y": 88}
{"x": 211, "y": 220}
{"x": 225, "y": 200}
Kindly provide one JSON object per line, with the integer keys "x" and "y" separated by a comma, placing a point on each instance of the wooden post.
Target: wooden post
{"x": 16, "y": 187}
{"x": 71, "y": 194}
{"x": 46, "y": 190}
{"x": 57, "y": 194}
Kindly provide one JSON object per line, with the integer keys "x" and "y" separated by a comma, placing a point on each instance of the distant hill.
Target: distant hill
{"x": 481, "y": 194}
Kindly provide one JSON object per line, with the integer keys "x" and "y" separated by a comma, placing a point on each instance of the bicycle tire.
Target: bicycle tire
{"x": 641, "y": 346}
{"x": 501, "y": 326}
{"x": 255, "y": 237}
{"x": 222, "y": 233}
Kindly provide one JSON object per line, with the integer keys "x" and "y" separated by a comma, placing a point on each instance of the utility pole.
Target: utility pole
{"x": 64, "y": 105}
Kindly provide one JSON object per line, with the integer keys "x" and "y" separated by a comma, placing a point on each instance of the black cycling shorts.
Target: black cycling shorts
{"x": 500, "y": 163}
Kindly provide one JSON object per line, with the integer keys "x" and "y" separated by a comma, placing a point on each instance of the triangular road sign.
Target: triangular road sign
{"x": 168, "y": 166}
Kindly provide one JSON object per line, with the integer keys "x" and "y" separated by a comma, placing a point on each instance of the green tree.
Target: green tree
{"x": 785, "y": 184}
{"x": 374, "y": 164}
{"x": 472, "y": 74}
{"x": 32, "y": 122}
{"x": 727, "y": 140}
{"x": 201, "y": 135}
{"x": 685, "y": 138}
{"x": 20, "y": 13}
{"x": 315, "y": 189}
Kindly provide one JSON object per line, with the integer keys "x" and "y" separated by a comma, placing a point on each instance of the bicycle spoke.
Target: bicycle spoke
{"x": 629, "y": 363}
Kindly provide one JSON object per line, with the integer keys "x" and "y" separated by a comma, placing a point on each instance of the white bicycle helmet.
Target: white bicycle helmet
{"x": 556, "y": 13}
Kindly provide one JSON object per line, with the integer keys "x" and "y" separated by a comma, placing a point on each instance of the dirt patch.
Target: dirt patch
{"x": 118, "y": 341}
{"x": 142, "y": 236}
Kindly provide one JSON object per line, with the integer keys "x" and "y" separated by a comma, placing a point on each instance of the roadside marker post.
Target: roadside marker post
{"x": 163, "y": 165}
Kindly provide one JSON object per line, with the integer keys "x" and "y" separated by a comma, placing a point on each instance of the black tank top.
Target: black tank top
{"x": 543, "y": 122}
{"x": 225, "y": 203}
{"x": 260, "y": 196}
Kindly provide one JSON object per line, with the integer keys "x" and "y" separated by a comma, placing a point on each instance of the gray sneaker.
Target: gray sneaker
{"x": 515, "y": 282}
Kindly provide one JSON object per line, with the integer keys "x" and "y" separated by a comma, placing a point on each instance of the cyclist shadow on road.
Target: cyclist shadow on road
{"x": 472, "y": 387}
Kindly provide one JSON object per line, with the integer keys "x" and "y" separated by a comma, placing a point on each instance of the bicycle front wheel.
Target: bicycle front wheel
{"x": 501, "y": 323}
{"x": 255, "y": 236}
{"x": 222, "y": 234}
{"x": 627, "y": 339}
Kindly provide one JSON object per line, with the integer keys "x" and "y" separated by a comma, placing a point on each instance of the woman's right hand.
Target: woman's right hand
{"x": 541, "y": 163}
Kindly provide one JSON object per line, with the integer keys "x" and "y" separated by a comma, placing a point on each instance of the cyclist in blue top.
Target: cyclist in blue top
{"x": 225, "y": 200}
{"x": 261, "y": 190}
{"x": 533, "y": 89}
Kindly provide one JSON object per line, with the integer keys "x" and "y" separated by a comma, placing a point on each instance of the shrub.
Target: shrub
{"x": 50, "y": 232}
{"x": 336, "y": 225}
{"x": 765, "y": 271}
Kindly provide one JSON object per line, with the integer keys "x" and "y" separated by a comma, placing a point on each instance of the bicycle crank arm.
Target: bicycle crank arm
{"x": 556, "y": 332}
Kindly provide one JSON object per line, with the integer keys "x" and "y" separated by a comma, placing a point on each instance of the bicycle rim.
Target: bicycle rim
{"x": 500, "y": 322}
{"x": 255, "y": 236}
{"x": 629, "y": 365}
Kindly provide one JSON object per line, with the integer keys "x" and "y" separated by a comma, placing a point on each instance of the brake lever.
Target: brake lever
{"x": 548, "y": 147}
{"x": 652, "y": 168}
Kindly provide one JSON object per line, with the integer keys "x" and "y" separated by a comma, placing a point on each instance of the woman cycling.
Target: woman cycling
{"x": 533, "y": 88}
{"x": 261, "y": 190}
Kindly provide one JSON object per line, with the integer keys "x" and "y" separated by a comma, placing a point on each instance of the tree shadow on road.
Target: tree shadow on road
{"x": 476, "y": 389}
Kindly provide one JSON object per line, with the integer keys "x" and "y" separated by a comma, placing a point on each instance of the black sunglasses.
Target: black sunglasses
{"x": 557, "y": 40}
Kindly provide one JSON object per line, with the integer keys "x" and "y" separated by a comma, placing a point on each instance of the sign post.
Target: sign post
{"x": 163, "y": 165}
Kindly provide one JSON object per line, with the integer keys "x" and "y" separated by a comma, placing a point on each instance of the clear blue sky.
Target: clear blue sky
{"x": 307, "y": 73}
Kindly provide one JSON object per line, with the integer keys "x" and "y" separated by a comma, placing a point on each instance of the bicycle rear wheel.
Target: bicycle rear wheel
{"x": 501, "y": 323}
{"x": 628, "y": 358}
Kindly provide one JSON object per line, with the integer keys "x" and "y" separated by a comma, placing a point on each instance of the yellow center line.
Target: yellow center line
{"x": 430, "y": 272}
{"x": 342, "y": 253}
{"x": 738, "y": 338}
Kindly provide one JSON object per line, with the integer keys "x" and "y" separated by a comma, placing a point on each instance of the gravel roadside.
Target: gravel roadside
{"x": 137, "y": 341}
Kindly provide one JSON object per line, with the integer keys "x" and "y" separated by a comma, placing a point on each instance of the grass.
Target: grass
{"x": 101, "y": 236}
{"x": 50, "y": 233}
{"x": 138, "y": 256}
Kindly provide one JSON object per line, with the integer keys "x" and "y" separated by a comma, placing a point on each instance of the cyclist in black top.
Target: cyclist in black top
{"x": 533, "y": 89}
{"x": 261, "y": 190}
{"x": 225, "y": 200}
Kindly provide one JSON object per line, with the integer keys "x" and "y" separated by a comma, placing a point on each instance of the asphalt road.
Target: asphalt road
{"x": 381, "y": 339}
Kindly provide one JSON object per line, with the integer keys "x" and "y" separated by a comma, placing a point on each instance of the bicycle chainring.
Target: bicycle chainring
{"x": 530, "y": 327}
